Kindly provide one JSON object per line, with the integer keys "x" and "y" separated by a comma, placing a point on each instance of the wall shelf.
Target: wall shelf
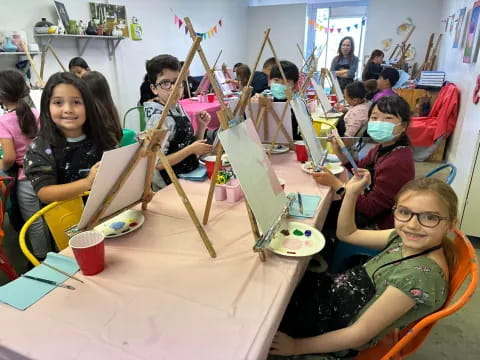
{"x": 81, "y": 41}
{"x": 19, "y": 53}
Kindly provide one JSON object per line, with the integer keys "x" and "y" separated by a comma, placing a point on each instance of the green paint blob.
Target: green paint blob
{"x": 297, "y": 232}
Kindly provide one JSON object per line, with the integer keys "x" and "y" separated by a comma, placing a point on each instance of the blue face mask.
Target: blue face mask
{"x": 278, "y": 91}
{"x": 381, "y": 131}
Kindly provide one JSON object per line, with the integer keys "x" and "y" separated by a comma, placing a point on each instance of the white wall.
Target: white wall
{"x": 384, "y": 16}
{"x": 461, "y": 149}
{"x": 161, "y": 35}
{"x": 287, "y": 28}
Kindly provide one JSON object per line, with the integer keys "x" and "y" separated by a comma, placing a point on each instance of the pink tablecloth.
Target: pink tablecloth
{"x": 193, "y": 107}
{"x": 162, "y": 297}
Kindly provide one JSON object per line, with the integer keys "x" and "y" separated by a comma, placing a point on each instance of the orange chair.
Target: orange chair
{"x": 402, "y": 343}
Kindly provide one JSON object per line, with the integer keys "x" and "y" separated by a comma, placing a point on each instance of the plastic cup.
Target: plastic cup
{"x": 234, "y": 191}
{"x": 210, "y": 164}
{"x": 89, "y": 250}
{"x": 220, "y": 192}
{"x": 333, "y": 98}
{"x": 301, "y": 151}
{"x": 211, "y": 98}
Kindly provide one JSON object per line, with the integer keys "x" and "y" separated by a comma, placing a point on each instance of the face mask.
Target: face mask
{"x": 381, "y": 131}
{"x": 278, "y": 91}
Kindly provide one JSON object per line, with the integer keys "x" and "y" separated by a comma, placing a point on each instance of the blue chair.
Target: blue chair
{"x": 451, "y": 175}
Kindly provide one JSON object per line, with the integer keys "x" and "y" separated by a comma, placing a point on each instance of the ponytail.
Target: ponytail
{"x": 26, "y": 119}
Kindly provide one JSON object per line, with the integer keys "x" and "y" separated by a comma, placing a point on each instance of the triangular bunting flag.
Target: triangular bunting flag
{"x": 186, "y": 30}
{"x": 363, "y": 21}
{"x": 356, "y": 26}
{"x": 215, "y": 29}
{"x": 176, "y": 20}
{"x": 311, "y": 22}
{"x": 220, "y": 22}
{"x": 180, "y": 23}
{"x": 198, "y": 34}
{"x": 339, "y": 29}
{"x": 326, "y": 30}
{"x": 204, "y": 36}
{"x": 321, "y": 27}
{"x": 348, "y": 28}
{"x": 332, "y": 30}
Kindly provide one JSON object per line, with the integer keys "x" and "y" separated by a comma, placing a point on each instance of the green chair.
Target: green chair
{"x": 128, "y": 137}
{"x": 141, "y": 117}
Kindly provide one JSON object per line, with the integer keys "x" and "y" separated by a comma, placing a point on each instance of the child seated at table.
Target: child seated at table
{"x": 390, "y": 164}
{"x": 260, "y": 78}
{"x": 372, "y": 89}
{"x": 183, "y": 146}
{"x": 386, "y": 81}
{"x": 78, "y": 66}
{"x": 278, "y": 87}
{"x": 356, "y": 115}
{"x": 403, "y": 283}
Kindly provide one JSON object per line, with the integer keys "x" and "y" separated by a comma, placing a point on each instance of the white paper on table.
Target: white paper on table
{"x": 252, "y": 167}
{"x": 308, "y": 132}
{"x": 272, "y": 123}
{"x": 113, "y": 165}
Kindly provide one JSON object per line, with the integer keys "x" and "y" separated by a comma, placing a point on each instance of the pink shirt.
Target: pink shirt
{"x": 355, "y": 118}
{"x": 10, "y": 129}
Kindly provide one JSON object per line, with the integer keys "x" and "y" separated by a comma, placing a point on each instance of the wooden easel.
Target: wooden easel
{"x": 265, "y": 104}
{"x": 41, "y": 83}
{"x": 403, "y": 48}
{"x": 333, "y": 82}
{"x": 225, "y": 116}
{"x": 430, "y": 56}
{"x": 150, "y": 147}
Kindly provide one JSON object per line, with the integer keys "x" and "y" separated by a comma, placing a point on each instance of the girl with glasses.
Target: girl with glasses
{"x": 405, "y": 282}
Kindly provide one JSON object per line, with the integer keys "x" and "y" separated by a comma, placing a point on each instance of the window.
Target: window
{"x": 330, "y": 25}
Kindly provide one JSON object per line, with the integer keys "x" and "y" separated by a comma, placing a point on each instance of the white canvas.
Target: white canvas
{"x": 337, "y": 88}
{"x": 36, "y": 96}
{"x": 257, "y": 178}
{"x": 219, "y": 75}
{"x": 272, "y": 123}
{"x": 113, "y": 165}
{"x": 321, "y": 95}
{"x": 308, "y": 132}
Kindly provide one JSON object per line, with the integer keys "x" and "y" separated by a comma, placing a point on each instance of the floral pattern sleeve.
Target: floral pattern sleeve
{"x": 39, "y": 165}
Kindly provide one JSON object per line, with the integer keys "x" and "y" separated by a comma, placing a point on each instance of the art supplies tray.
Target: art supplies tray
{"x": 335, "y": 168}
{"x": 122, "y": 224}
{"x": 297, "y": 240}
{"x": 277, "y": 149}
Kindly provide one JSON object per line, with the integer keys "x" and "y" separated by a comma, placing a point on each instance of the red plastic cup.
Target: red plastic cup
{"x": 89, "y": 250}
{"x": 211, "y": 98}
{"x": 333, "y": 98}
{"x": 210, "y": 165}
{"x": 301, "y": 151}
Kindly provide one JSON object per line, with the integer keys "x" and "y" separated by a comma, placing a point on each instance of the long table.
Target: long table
{"x": 162, "y": 297}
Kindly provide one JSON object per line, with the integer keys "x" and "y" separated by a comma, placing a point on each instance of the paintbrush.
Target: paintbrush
{"x": 51, "y": 282}
{"x": 62, "y": 272}
{"x": 345, "y": 150}
{"x": 300, "y": 204}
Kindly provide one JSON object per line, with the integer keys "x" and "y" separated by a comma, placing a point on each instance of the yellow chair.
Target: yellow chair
{"x": 322, "y": 128}
{"x": 59, "y": 216}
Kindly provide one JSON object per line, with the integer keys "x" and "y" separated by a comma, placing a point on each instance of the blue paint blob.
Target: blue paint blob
{"x": 117, "y": 225}
{"x": 308, "y": 233}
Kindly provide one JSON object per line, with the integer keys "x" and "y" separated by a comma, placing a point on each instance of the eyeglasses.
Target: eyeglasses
{"x": 166, "y": 84}
{"x": 425, "y": 218}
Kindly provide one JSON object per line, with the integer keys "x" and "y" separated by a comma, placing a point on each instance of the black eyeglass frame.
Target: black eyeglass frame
{"x": 412, "y": 214}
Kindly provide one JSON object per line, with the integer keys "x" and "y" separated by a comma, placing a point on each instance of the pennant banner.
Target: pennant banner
{"x": 320, "y": 27}
{"x": 204, "y": 35}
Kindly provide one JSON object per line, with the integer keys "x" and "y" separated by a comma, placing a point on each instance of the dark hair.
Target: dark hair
{"x": 78, "y": 61}
{"x": 356, "y": 90}
{"x": 243, "y": 74}
{"x": 236, "y": 66}
{"x": 289, "y": 68}
{"x": 94, "y": 127}
{"x": 13, "y": 88}
{"x": 269, "y": 62}
{"x": 394, "y": 105}
{"x": 156, "y": 65}
{"x": 145, "y": 91}
{"x": 352, "y": 49}
{"x": 391, "y": 75}
{"x": 370, "y": 85}
{"x": 98, "y": 85}
{"x": 375, "y": 53}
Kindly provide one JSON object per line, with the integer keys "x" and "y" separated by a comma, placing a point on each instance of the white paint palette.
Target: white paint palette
{"x": 297, "y": 240}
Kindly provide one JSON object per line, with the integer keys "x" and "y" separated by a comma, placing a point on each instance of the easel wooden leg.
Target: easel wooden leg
{"x": 147, "y": 191}
{"x": 255, "y": 231}
{"x": 280, "y": 124}
{"x": 187, "y": 204}
{"x": 213, "y": 182}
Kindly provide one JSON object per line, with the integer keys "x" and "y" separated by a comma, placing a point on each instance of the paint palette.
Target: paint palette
{"x": 122, "y": 224}
{"x": 335, "y": 168}
{"x": 297, "y": 240}
{"x": 277, "y": 149}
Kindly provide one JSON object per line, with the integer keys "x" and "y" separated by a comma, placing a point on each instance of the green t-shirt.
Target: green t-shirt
{"x": 421, "y": 278}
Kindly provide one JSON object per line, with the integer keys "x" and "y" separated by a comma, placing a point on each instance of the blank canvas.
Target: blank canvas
{"x": 252, "y": 167}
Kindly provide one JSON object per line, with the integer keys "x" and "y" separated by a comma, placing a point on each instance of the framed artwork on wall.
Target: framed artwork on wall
{"x": 62, "y": 13}
{"x": 472, "y": 29}
{"x": 113, "y": 16}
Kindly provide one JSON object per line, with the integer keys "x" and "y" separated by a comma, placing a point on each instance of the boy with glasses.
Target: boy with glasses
{"x": 183, "y": 145}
